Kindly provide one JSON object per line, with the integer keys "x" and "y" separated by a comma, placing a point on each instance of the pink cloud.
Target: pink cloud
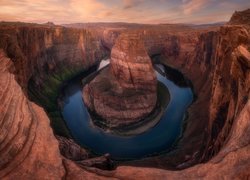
{"x": 131, "y": 3}
{"x": 135, "y": 11}
{"x": 190, "y": 6}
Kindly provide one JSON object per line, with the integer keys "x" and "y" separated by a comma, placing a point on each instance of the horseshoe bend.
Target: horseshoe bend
{"x": 125, "y": 100}
{"x": 126, "y": 91}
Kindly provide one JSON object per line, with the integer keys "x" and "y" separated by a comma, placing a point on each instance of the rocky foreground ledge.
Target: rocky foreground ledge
{"x": 29, "y": 149}
{"x": 218, "y": 58}
{"x": 126, "y": 91}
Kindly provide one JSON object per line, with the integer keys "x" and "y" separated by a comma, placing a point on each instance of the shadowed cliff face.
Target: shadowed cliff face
{"x": 25, "y": 133}
{"x": 230, "y": 84}
{"x": 216, "y": 61}
{"x": 44, "y": 57}
{"x": 218, "y": 68}
{"x": 42, "y": 51}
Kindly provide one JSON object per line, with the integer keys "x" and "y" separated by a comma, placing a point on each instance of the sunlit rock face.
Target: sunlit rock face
{"x": 240, "y": 17}
{"x": 217, "y": 62}
{"x": 131, "y": 65}
{"x": 125, "y": 92}
{"x": 25, "y": 133}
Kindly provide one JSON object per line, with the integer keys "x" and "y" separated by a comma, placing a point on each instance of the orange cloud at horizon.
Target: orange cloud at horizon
{"x": 134, "y": 11}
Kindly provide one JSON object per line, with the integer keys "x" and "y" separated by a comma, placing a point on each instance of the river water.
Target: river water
{"x": 158, "y": 139}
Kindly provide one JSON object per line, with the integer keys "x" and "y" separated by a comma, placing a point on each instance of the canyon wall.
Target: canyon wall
{"x": 45, "y": 57}
{"x": 230, "y": 84}
{"x": 40, "y": 51}
{"x": 217, "y": 64}
{"x": 25, "y": 133}
{"x": 216, "y": 61}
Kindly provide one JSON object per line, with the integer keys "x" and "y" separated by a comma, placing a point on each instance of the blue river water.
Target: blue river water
{"x": 156, "y": 140}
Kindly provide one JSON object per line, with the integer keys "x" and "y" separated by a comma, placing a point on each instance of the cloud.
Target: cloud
{"x": 191, "y": 6}
{"x": 52, "y": 10}
{"x": 108, "y": 13}
{"x": 136, "y": 11}
{"x": 33, "y": 11}
{"x": 127, "y": 4}
{"x": 86, "y": 8}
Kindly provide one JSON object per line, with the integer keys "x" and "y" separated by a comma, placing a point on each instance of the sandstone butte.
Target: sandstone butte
{"x": 125, "y": 92}
{"x": 217, "y": 136}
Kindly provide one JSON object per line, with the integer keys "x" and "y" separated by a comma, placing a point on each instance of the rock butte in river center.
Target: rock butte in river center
{"x": 125, "y": 92}
{"x": 216, "y": 60}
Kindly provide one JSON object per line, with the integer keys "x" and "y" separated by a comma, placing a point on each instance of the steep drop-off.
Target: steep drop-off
{"x": 25, "y": 132}
{"x": 45, "y": 57}
{"x": 216, "y": 61}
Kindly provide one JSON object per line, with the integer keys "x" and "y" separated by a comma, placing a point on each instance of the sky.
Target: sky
{"x": 133, "y": 11}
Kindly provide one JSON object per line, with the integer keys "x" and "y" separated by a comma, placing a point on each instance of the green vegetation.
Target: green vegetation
{"x": 47, "y": 97}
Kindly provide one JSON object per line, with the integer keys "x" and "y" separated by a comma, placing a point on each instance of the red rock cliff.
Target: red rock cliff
{"x": 126, "y": 92}
{"x": 43, "y": 51}
{"x": 217, "y": 64}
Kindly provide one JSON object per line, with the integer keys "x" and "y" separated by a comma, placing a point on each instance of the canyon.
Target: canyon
{"x": 37, "y": 60}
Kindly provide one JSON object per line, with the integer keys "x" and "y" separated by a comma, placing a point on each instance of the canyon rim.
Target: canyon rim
{"x": 207, "y": 64}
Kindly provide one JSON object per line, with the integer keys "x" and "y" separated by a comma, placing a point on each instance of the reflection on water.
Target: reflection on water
{"x": 155, "y": 140}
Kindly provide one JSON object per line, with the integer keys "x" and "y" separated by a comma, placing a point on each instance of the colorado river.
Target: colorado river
{"x": 156, "y": 140}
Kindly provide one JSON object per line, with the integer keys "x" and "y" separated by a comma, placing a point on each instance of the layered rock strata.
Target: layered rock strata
{"x": 28, "y": 147}
{"x": 125, "y": 92}
{"x": 25, "y": 133}
{"x": 42, "y": 51}
{"x": 46, "y": 56}
{"x": 240, "y": 17}
{"x": 217, "y": 61}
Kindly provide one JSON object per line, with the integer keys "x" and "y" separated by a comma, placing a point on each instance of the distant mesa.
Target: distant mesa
{"x": 49, "y": 23}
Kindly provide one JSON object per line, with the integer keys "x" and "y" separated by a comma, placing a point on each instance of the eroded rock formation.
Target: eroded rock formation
{"x": 45, "y": 57}
{"x": 125, "y": 92}
{"x": 28, "y": 146}
{"x": 217, "y": 62}
{"x": 240, "y": 17}
{"x": 40, "y": 51}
